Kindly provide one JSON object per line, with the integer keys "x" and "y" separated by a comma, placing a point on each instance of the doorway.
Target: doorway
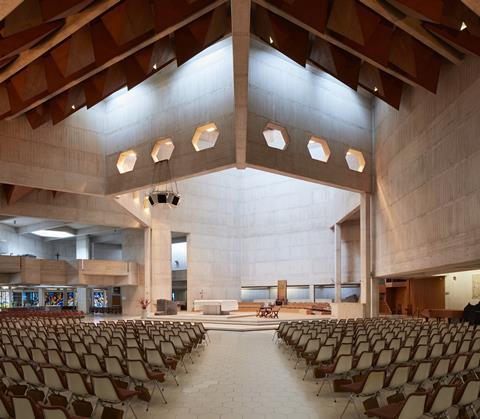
{"x": 179, "y": 269}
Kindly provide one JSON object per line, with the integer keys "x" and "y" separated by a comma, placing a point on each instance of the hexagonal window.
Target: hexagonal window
{"x": 205, "y": 137}
{"x": 126, "y": 161}
{"x": 276, "y": 136}
{"x": 162, "y": 150}
{"x": 355, "y": 160}
{"x": 318, "y": 149}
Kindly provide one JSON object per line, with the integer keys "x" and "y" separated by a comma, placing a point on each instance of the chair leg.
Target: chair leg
{"x": 307, "y": 368}
{"x": 173, "y": 375}
{"x": 350, "y": 400}
{"x": 156, "y": 384}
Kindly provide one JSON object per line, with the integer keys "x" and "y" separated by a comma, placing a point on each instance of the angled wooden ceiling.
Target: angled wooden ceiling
{"x": 59, "y": 56}
{"x": 380, "y": 45}
{"x": 86, "y": 50}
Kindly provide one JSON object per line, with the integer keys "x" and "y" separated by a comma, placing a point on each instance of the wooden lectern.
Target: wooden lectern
{"x": 281, "y": 292}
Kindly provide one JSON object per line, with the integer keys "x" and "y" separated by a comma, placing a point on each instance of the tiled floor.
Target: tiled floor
{"x": 243, "y": 375}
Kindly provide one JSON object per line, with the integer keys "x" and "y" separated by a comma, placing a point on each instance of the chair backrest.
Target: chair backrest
{"x": 436, "y": 350}
{"x": 137, "y": 371}
{"x": 104, "y": 389}
{"x": 92, "y": 363}
{"x": 441, "y": 368}
{"x": 442, "y": 400}
{"x": 167, "y": 348}
{"x": 72, "y": 361}
{"x": 365, "y": 361}
{"x": 403, "y": 355}
{"x": 469, "y": 394}
{"x": 325, "y": 353}
{"x": 374, "y": 382}
{"x": 113, "y": 366}
{"x": 76, "y": 384}
{"x": 154, "y": 358}
{"x": 421, "y": 372}
{"x": 25, "y": 408}
{"x": 399, "y": 376}
{"x": 312, "y": 346}
{"x": 134, "y": 354}
{"x": 30, "y": 375}
{"x": 52, "y": 378}
{"x": 343, "y": 364}
{"x": 384, "y": 358}
{"x": 12, "y": 371}
{"x": 414, "y": 406}
{"x": 55, "y": 412}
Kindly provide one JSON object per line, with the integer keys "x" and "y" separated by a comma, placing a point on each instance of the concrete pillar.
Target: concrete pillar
{"x": 161, "y": 260}
{"x": 82, "y": 299}
{"x": 311, "y": 292}
{"x": 83, "y": 247}
{"x": 365, "y": 262}
{"x": 338, "y": 263}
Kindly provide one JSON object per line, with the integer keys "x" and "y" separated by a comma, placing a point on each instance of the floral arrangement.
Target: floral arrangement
{"x": 144, "y": 303}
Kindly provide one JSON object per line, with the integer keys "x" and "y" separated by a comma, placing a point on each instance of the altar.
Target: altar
{"x": 215, "y": 306}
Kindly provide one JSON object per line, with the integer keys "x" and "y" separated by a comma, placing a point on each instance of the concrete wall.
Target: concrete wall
{"x": 251, "y": 228}
{"x": 173, "y": 104}
{"x": 306, "y": 102}
{"x": 350, "y": 251}
{"x": 428, "y": 187}
{"x": 17, "y": 244}
{"x": 458, "y": 290}
{"x": 66, "y": 157}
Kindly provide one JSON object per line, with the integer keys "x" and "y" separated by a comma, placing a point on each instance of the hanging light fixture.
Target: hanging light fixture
{"x": 166, "y": 194}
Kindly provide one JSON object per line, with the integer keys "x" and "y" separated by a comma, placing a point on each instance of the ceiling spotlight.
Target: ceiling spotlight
{"x": 73, "y": 107}
{"x": 154, "y": 66}
{"x": 270, "y": 39}
{"x": 375, "y": 89}
{"x": 463, "y": 26}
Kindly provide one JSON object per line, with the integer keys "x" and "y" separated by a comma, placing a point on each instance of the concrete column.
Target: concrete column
{"x": 365, "y": 262}
{"x": 161, "y": 260}
{"x": 375, "y": 297}
{"x": 311, "y": 292}
{"x": 82, "y": 299}
{"x": 83, "y": 247}
{"x": 338, "y": 263}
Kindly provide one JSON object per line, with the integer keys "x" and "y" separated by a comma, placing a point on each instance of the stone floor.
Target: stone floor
{"x": 243, "y": 375}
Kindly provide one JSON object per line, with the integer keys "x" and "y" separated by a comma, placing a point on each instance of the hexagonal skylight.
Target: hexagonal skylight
{"x": 205, "y": 137}
{"x": 355, "y": 160}
{"x": 276, "y": 136}
{"x": 162, "y": 150}
{"x": 126, "y": 161}
{"x": 318, "y": 149}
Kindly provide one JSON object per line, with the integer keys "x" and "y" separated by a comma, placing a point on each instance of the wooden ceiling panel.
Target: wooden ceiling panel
{"x": 14, "y": 44}
{"x": 431, "y": 10}
{"x": 201, "y": 33}
{"x": 314, "y": 13}
{"x": 38, "y": 116}
{"x": 282, "y": 35}
{"x": 67, "y": 103}
{"x": 170, "y": 12}
{"x": 337, "y": 62}
{"x": 415, "y": 60}
{"x": 463, "y": 40}
{"x": 15, "y": 193}
{"x": 362, "y": 29}
{"x": 381, "y": 84}
{"x": 129, "y": 22}
{"x": 27, "y": 15}
{"x": 55, "y": 9}
{"x": 29, "y": 83}
{"x": 104, "y": 84}
{"x": 75, "y": 54}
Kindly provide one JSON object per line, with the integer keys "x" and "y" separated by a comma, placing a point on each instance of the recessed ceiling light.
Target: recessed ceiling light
{"x": 73, "y": 107}
{"x": 154, "y": 66}
{"x": 211, "y": 129}
{"x": 463, "y": 27}
{"x": 270, "y": 39}
{"x": 54, "y": 234}
{"x": 375, "y": 89}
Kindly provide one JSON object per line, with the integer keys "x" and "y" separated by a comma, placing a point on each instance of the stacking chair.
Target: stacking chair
{"x": 139, "y": 373}
{"x": 110, "y": 395}
{"x": 156, "y": 362}
{"x": 341, "y": 368}
{"x": 325, "y": 354}
{"x": 440, "y": 370}
{"x": 114, "y": 367}
{"x": 438, "y": 404}
{"x": 168, "y": 351}
{"x": 12, "y": 372}
{"x": 467, "y": 396}
{"x": 384, "y": 358}
{"x": 420, "y": 373}
{"x": 54, "y": 380}
{"x": 364, "y": 362}
{"x": 77, "y": 384}
{"x": 369, "y": 387}
{"x": 398, "y": 378}
{"x": 73, "y": 361}
{"x": 32, "y": 377}
{"x": 411, "y": 408}
{"x": 311, "y": 349}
